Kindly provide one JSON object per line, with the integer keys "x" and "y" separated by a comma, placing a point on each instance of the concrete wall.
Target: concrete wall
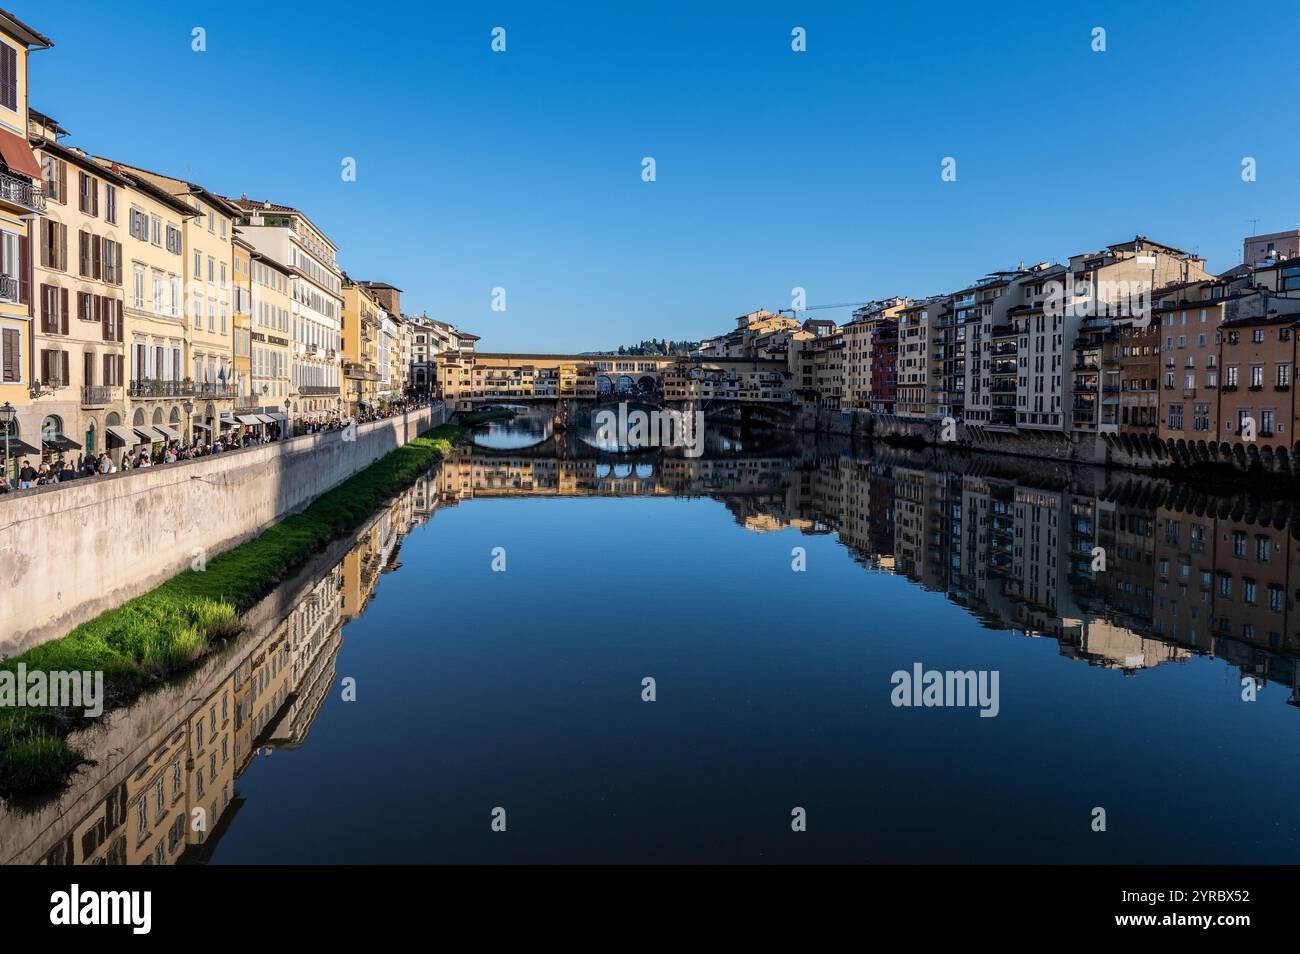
{"x": 71, "y": 551}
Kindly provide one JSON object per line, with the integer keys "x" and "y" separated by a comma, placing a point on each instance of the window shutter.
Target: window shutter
{"x": 45, "y": 365}
{"x": 96, "y": 259}
{"x": 63, "y": 182}
{"x": 94, "y": 195}
{"x": 108, "y": 369}
{"x": 46, "y": 243}
{"x": 121, "y": 360}
{"x": 63, "y": 309}
{"x": 82, "y": 268}
{"x": 117, "y": 318}
{"x": 105, "y": 314}
{"x": 24, "y": 270}
{"x": 63, "y": 247}
{"x": 11, "y": 357}
{"x": 45, "y": 308}
{"x": 65, "y": 379}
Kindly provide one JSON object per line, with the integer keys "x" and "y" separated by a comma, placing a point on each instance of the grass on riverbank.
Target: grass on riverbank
{"x": 162, "y": 633}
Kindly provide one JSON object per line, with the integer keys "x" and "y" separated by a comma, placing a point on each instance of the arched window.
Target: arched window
{"x": 157, "y": 416}
{"x": 175, "y": 416}
{"x": 138, "y": 420}
{"x": 52, "y": 428}
{"x": 112, "y": 420}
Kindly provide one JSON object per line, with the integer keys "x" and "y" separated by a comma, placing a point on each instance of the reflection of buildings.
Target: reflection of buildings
{"x": 1014, "y": 545}
{"x": 176, "y": 791}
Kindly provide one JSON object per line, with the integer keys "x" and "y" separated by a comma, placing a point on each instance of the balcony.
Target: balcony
{"x": 316, "y": 390}
{"x": 10, "y": 289}
{"x": 154, "y": 388}
{"x": 1189, "y": 392}
{"x": 22, "y": 193}
{"x": 97, "y": 395}
{"x": 213, "y": 390}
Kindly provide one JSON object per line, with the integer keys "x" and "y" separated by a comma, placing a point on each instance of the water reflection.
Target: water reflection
{"x": 1013, "y": 543}
{"x": 160, "y": 788}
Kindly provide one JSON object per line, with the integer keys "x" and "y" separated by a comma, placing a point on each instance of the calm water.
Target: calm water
{"x": 521, "y": 689}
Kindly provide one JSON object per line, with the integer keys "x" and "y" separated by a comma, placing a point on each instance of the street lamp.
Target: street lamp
{"x": 288, "y": 405}
{"x": 7, "y": 415}
{"x": 188, "y": 408}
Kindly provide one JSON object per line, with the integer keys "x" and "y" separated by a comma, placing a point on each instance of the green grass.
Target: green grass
{"x": 162, "y": 633}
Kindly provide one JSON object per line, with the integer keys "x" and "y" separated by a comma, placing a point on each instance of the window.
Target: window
{"x": 1257, "y": 336}
{"x": 137, "y": 284}
{"x": 1175, "y": 417}
{"x": 8, "y": 77}
{"x": 88, "y": 194}
{"x": 1283, "y": 378}
{"x": 54, "y": 172}
{"x": 173, "y": 240}
{"x": 1230, "y": 376}
{"x": 155, "y": 230}
{"x": 110, "y": 203}
{"x": 1256, "y": 375}
{"x": 138, "y": 225}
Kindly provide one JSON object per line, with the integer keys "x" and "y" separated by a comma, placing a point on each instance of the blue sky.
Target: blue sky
{"x": 775, "y": 169}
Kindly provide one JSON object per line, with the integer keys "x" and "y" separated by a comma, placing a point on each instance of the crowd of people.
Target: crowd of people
{"x": 62, "y": 469}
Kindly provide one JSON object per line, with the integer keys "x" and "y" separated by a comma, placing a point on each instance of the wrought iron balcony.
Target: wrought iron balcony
{"x": 318, "y": 389}
{"x": 22, "y": 193}
{"x": 212, "y": 390}
{"x": 98, "y": 395}
{"x": 154, "y": 388}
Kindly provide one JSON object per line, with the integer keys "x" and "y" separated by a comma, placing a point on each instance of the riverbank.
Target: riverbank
{"x": 161, "y": 634}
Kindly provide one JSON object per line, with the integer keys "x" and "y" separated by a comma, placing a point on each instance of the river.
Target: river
{"x": 657, "y": 658}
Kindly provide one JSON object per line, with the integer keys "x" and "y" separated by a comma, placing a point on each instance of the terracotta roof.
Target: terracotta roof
{"x": 211, "y": 196}
{"x": 144, "y": 185}
{"x": 25, "y": 33}
{"x": 250, "y": 205}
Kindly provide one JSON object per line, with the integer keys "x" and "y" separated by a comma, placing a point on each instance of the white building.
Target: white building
{"x": 316, "y": 322}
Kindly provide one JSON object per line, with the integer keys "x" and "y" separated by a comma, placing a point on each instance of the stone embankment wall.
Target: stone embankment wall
{"x": 71, "y": 551}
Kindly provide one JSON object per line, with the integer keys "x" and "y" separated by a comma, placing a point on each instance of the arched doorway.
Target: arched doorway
{"x": 91, "y": 444}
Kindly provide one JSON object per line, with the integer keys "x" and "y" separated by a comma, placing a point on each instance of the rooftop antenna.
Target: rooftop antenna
{"x": 1254, "y": 224}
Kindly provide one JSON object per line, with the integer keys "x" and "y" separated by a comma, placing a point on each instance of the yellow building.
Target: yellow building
{"x": 77, "y": 339}
{"x": 207, "y": 257}
{"x": 360, "y": 347}
{"x": 22, "y": 199}
{"x": 241, "y": 309}
{"x": 159, "y": 392}
{"x": 272, "y": 349}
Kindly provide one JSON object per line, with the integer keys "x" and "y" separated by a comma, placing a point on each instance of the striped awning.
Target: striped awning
{"x": 170, "y": 432}
{"x": 123, "y": 434}
{"x": 250, "y": 419}
{"x": 149, "y": 434}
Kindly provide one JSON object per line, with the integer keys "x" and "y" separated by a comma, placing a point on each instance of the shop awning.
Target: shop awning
{"x": 170, "y": 432}
{"x": 60, "y": 443}
{"x": 250, "y": 419}
{"x": 18, "y": 156}
{"x": 18, "y": 448}
{"x": 201, "y": 424}
{"x": 123, "y": 434}
{"x": 149, "y": 434}
{"x": 266, "y": 418}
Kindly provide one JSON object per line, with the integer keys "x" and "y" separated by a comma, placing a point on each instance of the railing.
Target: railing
{"x": 10, "y": 288}
{"x": 93, "y": 395}
{"x": 152, "y": 388}
{"x": 316, "y": 389}
{"x": 21, "y": 192}
{"x": 214, "y": 390}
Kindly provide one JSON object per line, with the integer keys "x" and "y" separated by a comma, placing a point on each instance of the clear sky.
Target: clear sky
{"x": 774, "y": 169}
